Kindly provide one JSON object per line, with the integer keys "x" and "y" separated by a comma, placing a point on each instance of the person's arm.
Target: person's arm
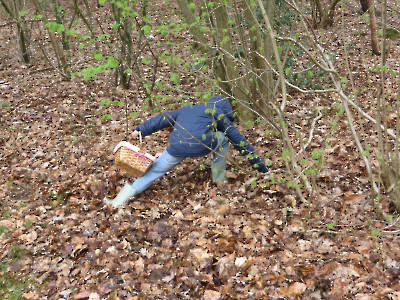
{"x": 242, "y": 144}
{"x": 158, "y": 122}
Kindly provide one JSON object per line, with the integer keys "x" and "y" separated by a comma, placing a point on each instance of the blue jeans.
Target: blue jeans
{"x": 166, "y": 162}
{"x": 161, "y": 166}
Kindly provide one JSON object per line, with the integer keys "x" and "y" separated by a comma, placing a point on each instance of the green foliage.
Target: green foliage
{"x": 331, "y": 226}
{"x": 175, "y": 78}
{"x": 107, "y": 102}
{"x": 106, "y": 117}
{"x": 4, "y": 104}
{"x": 13, "y": 286}
{"x": 91, "y": 72}
{"x": 301, "y": 73}
{"x": 285, "y": 154}
{"x": 253, "y": 183}
{"x": 37, "y": 17}
{"x": 376, "y": 233}
{"x": 28, "y": 224}
{"x": 16, "y": 253}
{"x": 3, "y": 229}
{"x": 317, "y": 154}
{"x": 392, "y": 33}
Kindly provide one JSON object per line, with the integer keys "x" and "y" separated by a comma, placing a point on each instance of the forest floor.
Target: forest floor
{"x": 182, "y": 238}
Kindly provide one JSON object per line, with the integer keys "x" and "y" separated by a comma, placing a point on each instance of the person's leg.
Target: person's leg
{"x": 218, "y": 166}
{"x": 161, "y": 166}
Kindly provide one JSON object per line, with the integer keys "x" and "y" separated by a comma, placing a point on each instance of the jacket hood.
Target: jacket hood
{"x": 223, "y": 104}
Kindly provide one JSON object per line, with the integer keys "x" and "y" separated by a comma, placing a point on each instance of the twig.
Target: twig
{"x": 320, "y": 115}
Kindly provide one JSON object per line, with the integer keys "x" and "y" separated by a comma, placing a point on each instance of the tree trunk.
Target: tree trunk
{"x": 23, "y": 43}
{"x": 62, "y": 62}
{"x": 327, "y": 14}
{"x": 14, "y": 12}
{"x": 223, "y": 40}
{"x": 372, "y": 19}
{"x": 202, "y": 42}
{"x": 364, "y": 5}
{"x": 239, "y": 54}
{"x": 260, "y": 53}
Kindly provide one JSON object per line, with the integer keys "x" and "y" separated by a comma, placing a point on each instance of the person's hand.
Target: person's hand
{"x": 135, "y": 134}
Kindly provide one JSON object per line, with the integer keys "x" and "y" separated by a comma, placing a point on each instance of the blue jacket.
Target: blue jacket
{"x": 195, "y": 127}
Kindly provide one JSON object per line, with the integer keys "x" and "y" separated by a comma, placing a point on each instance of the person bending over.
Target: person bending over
{"x": 197, "y": 131}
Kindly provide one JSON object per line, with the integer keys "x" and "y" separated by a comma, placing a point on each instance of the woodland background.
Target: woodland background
{"x": 315, "y": 88}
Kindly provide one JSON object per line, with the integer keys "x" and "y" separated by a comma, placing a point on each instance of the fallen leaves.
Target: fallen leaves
{"x": 182, "y": 238}
{"x": 211, "y": 295}
{"x": 294, "y": 289}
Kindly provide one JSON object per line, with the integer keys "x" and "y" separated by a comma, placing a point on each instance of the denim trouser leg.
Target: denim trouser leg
{"x": 161, "y": 166}
{"x": 218, "y": 167}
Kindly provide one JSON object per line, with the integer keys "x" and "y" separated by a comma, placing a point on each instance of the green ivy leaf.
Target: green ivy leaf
{"x": 317, "y": 154}
{"x": 97, "y": 55}
{"x": 106, "y": 117}
{"x": 146, "y": 61}
{"x": 115, "y": 26}
{"x": 174, "y": 77}
{"x": 71, "y": 33}
{"x": 375, "y": 233}
{"x": 192, "y": 6}
{"x": 112, "y": 63}
{"x": 55, "y": 27}
{"x": 146, "y": 29}
{"x": 285, "y": 154}
{"x": 330, "y": 226}
{"x": 133, "y": 115}
{"x": 365, "y": 153}
{"x": 105, "y": 102}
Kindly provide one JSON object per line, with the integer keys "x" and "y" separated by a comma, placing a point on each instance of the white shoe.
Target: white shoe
{"x": 123, "y": 196}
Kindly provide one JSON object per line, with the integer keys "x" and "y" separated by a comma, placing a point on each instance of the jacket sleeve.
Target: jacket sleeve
{"x": 241, "y": 144}
{"x": 158, "y": 122}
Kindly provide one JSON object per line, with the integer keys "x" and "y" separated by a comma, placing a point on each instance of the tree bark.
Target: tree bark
{"x": 22, "y": 30}
{"x": 372, "y": 24}
{"x": 62, "y": 62}
{"x": 364, "y": 5}
{"x": 260, "y": 53}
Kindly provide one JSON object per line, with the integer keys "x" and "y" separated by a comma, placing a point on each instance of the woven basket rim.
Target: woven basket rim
{"x": 133, "y": 148}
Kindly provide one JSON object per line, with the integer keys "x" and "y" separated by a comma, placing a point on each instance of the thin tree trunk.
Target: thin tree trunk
{"x": 372, "y": 19}
{"x": 238, "y": 88}
{"x": 56, "y": 44}
{"x": 364, "y": 5}
{"x": 260, "y": 52}
{"x": 327, "y": 15}
{"x": 22, "y": 30}
{"x": 23, "y": 43}
{"x": 60, "y": 20}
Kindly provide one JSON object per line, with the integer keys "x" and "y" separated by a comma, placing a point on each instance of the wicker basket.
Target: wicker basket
{"x": 129, "y": 158}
